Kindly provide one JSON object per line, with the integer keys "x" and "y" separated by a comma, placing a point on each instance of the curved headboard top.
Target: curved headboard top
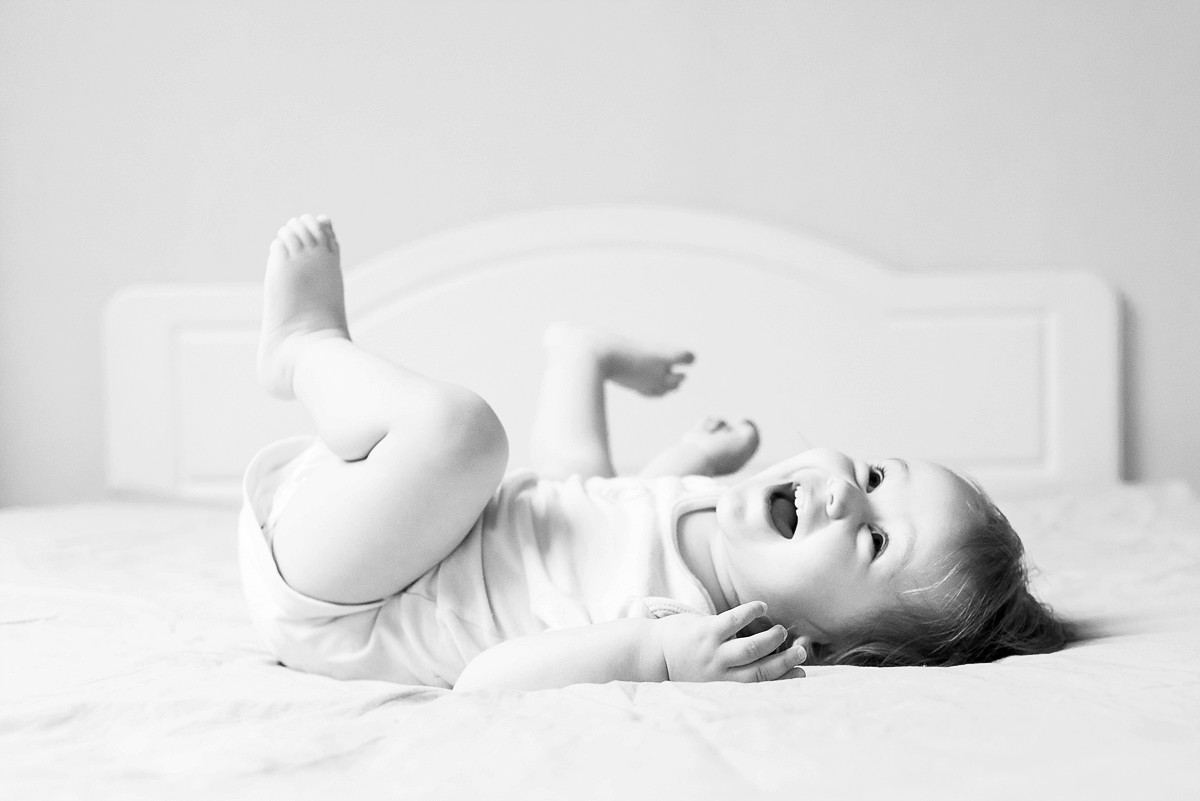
{"x": 1011, "y": 377}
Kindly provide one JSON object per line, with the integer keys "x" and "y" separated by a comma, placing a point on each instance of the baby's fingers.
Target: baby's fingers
{"x": 775, "y": 666}
{"x": 744, "y": 650}
{"x": 731, "y": 621}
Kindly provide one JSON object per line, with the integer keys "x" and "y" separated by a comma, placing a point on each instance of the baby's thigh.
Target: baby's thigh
{"x": 354, "y": 532}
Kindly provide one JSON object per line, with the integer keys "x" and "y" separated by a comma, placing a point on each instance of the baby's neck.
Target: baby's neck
{"x": 696, "y": 533}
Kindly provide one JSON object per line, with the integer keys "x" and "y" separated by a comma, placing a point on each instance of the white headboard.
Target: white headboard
{"x": 1012, "y": 377}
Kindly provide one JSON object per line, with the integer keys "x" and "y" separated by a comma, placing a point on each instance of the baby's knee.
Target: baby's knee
{"x": 469, "y": 428}
{"x": 451, "y": 431}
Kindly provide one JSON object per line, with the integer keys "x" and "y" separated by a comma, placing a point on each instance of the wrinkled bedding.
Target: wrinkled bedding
{"x": 128, "y": 669}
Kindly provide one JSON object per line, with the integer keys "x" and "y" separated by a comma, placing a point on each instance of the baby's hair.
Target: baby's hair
{"x": 980, "y": 610}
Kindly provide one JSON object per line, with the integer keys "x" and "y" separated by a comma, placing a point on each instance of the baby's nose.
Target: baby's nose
{"x": 843, "y": 499}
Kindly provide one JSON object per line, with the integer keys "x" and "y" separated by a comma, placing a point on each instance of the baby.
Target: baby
{"x": 395, "y": 546}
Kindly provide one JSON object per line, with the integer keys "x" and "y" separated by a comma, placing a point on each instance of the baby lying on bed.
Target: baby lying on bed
{"x": 394, "y": 545}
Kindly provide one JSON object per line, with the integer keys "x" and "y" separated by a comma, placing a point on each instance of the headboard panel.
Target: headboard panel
{"x": 1011, "y": 377}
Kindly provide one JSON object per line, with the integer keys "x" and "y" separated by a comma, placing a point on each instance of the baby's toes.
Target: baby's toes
{"x": 302, "y": 232}
{"x": 314, "y": 228}
{"x": 329, "y": 238}
{"x": 749, "y": 434}
{"x": 673, "y": 381}
{"x": 682, "y": 357}
{"x": 289, "y": 239}
{"x": 666, "y": 380}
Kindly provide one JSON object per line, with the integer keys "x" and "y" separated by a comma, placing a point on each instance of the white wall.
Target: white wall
{"x": 166, "y": 141}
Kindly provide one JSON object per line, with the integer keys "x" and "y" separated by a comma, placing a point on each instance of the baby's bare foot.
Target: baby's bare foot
{"x": 303, "y": 298}
{"x": 644, "y": 368}
{"x": 726, "y": 448}
{"x": 711, "y": 448}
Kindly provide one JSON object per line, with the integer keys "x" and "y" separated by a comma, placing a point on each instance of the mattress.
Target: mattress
{"x": 129, "y": 669}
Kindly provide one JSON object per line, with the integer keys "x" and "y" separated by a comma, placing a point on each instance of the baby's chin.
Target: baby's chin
{"x": 731, "y": 508}
{"x": 740, "y": 524}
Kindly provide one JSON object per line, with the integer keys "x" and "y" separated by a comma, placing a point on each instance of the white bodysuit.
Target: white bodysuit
{"x": 543, "y": 555}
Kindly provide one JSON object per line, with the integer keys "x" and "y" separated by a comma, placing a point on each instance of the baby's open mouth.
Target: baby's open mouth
{"x": 783, "y": 507}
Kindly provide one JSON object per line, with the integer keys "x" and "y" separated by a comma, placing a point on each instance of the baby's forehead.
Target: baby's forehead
{"x": 947, "y": 501}
{"x": 965, "y": 489}
{"x": 952, "y": 479}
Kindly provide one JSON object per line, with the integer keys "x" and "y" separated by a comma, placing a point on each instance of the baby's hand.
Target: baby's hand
{"x": 706, "y": 648}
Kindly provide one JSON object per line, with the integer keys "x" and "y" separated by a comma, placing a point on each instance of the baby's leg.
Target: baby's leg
{"x": 570, "y": 430}
{"x": 711, "y": 448}
{"x": 419, "y": 458}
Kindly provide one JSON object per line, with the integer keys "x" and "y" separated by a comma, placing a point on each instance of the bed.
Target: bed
{"x": 131, "y": 670}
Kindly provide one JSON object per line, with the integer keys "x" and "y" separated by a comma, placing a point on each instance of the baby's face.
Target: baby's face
{"x": 827, "y": 540}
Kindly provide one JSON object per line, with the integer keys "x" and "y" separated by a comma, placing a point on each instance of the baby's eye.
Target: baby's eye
{"x": 879, "y": 539}
{"x": 875, "y": 477}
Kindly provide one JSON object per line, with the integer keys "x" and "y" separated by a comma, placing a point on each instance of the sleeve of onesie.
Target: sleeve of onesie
{"x": 654, "y": 607}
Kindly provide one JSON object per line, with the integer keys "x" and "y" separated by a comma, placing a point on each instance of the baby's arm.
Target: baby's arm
{"x": 570, "y": 427}
{"x": 677, "y": 648}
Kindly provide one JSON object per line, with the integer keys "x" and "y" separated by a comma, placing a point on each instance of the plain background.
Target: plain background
{"x": 164, "y": 142}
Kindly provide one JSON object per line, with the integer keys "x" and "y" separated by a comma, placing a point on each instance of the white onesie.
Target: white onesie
{"x": 543, "y": 555}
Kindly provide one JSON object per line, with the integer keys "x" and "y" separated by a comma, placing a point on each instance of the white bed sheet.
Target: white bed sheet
{"x": 129, "y": 670}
